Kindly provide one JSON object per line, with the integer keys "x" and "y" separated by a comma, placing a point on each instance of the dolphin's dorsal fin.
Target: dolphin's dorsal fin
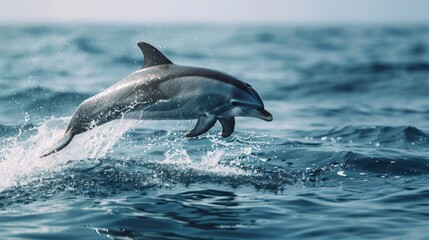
{"x": 152, "y": 56}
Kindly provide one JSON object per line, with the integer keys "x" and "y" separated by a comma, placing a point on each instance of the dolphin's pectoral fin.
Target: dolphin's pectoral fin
{"x": 60, "y": 145}
{"x": 228, "y": 125}
{"x": 203, "y": 125}
{"x": 152, "y": 56}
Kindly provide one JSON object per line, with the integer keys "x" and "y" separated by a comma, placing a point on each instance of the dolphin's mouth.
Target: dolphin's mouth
{"x": 265, "y": 115}
{"x": 252, "y": 110}
{"x": 259, "y": 113}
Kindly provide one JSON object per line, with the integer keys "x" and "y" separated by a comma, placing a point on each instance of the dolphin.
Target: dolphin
{"x": 161, "y": 90}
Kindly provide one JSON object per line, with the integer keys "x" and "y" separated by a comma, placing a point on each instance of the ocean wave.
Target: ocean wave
{"x": 42, "y": 30}
{"x": 15, "y": 130}
{"x": 127, "y": 60}
{"x": 383, "y": 136}
{"x": 366, "y": 69}
{"x": 383, "y": 150}
{"x": 389, "y": 163}
{"x": 38, "y": 101}
{"x": 87, "y": 45}
{"x": 384, "y": 67}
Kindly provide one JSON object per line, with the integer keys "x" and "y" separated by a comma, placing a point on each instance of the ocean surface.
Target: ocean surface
{"x": 346, "y": 157}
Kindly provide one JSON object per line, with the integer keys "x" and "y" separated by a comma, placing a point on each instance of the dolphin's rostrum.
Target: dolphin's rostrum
{"x": 162, "y": 90}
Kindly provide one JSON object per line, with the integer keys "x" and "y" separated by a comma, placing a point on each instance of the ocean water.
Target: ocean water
{"x": 347, "y": 155}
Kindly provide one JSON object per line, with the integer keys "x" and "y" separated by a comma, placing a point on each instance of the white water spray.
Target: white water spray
{"x": 20, "y": 161}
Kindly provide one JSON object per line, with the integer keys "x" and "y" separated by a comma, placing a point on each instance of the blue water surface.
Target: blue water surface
{"x": 347, "y": 155}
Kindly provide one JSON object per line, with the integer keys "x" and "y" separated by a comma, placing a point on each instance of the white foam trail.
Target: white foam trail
{"x": 212, "y": 161}
{"x": 20, "y": 161}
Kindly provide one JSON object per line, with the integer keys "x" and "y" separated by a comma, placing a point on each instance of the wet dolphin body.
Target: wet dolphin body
{"x": 162, "y": 90}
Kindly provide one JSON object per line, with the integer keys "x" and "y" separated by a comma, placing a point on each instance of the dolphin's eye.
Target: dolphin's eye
{"x": 234, "y": 103}
{"x": 248, "y": 85}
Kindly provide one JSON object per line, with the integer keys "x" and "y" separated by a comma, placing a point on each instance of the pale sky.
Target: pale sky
{"x": 217, "y": 11}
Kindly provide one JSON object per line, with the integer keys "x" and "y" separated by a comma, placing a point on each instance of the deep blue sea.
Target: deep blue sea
{"x": 346, "y": 157}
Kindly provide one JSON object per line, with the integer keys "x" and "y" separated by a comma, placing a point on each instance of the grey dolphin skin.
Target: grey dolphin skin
{"x": 161, "y": 90}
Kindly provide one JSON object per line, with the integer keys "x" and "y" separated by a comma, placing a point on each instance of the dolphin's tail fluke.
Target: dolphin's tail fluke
{"x": 60, "y": 145}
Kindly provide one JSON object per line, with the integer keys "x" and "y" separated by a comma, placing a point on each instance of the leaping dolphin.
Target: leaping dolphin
{"x": 162, "y": 90}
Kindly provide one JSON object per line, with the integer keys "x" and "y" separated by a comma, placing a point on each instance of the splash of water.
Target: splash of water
{"x": 223, "y": 158}
{"x": 211, "y": 162}
{"x": 20, "y": 161}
